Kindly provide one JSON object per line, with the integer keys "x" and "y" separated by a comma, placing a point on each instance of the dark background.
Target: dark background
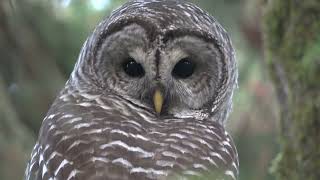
{"x": 39, "y": 44}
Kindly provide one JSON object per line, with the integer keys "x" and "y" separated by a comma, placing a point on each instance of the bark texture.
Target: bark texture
{"x": 292, "y": 44}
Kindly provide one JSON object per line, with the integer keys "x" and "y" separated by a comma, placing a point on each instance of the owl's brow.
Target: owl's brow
{"x": 177, "y": 33}
{"x": 150, "y": 29}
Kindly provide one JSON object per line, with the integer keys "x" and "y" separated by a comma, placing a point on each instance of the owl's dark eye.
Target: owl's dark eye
{"x": 183, "y": 69}
{"x": 132, "y": 68}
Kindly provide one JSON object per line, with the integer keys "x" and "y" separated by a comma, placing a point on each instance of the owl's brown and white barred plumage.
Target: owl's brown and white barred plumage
{"x": 103, "y": 125}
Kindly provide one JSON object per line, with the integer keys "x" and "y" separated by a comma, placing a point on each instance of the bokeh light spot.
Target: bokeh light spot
{"x": 100, "y": 4}
{"x": 65, "y": 3}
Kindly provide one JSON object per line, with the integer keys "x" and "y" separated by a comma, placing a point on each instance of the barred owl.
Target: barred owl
{"x": 148, "y": 99}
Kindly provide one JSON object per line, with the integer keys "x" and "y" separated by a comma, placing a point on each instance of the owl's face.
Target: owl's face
{"x": 171, "y": 74}
{"x": 167, "y": 55}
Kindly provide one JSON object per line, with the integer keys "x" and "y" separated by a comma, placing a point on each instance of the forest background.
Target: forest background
{"x": 40, "y": 42}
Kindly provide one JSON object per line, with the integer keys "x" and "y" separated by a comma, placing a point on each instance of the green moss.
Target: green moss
{"x": 292, "y": 45}
{"x": 310, "y": 64}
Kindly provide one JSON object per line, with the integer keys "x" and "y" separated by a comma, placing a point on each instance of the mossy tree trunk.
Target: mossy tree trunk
{"x": 292, "y": 44}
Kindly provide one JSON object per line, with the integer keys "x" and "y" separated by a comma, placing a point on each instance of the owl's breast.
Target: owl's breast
{"x": 94, "y": 138}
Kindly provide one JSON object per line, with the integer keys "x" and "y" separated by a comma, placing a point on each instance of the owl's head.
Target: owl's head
{"x": 169, "y": 55}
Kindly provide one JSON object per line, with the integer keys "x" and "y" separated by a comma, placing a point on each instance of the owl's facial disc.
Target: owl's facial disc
{"x": 189, "y": 69}
{"x": 182, "y": 75}
{"x": 128, "y": 58}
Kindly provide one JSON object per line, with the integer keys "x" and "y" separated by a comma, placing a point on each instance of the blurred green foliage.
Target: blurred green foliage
{"x": 40, "y": 42}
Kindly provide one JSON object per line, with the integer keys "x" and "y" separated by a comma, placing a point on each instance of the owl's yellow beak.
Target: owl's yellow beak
{"x": 158, "y": 101}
